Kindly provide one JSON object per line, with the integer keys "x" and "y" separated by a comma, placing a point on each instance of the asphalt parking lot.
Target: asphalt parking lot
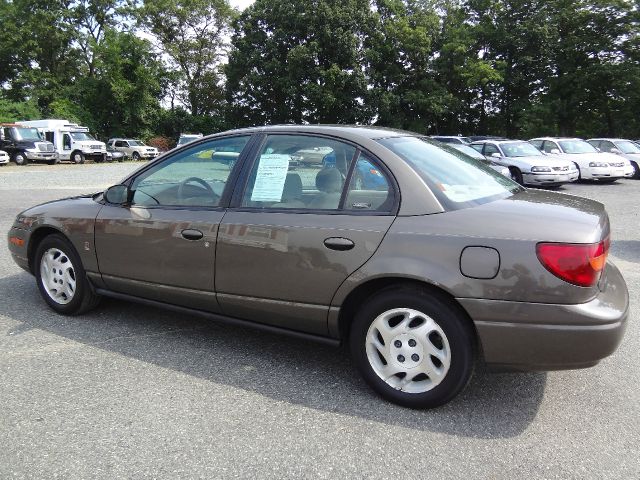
{"x": 134, "y": 392}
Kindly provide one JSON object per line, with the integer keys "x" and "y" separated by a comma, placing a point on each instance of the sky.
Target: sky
{"x": 240, "y": 4}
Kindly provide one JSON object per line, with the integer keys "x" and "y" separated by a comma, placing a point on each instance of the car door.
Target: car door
{"x": 161, "y": 244}
{"x": 294, "y": 232}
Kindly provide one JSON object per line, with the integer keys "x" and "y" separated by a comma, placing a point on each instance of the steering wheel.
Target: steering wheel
{"x": 200, "y": 182}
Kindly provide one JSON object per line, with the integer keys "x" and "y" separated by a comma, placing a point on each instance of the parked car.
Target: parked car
{"x": 4, "y": 157}
{"x": 625, "y": 149}
{"x": 26, "y": 144}
{"x": 528, "y": 166}
{"x": 473, "y": 153}
{"x": 115, "y": 156}
{"x": 451, "y": 139}
{"x": 451, "y": 260}
{"x": 132, "y": 148}
{"x": 188, "y": 138}
{"x": 591, "y": 164}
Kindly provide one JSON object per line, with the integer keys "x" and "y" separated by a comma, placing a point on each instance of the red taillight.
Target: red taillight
{"x": 577, "y": 263}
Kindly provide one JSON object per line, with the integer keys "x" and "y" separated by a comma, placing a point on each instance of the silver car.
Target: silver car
{"x": 527, "y": 164}
{"x": 473, "y": 153}
{"x": 626, "y": 149}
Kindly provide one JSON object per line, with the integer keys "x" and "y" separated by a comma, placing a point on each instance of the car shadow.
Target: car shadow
{"x": 494, "y": 405}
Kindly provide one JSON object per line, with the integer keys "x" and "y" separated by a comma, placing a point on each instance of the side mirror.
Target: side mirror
{"x": 554, "y": 151}
{"x": 117, "y": 194}
{"x": 496, "y": 155}
{"x": 615, "y": 150}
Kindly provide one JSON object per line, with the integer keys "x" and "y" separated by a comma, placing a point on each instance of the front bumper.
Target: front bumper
{"x": 552, "y": 178}
{"x": 605, "y": 172}
{"x": 629, "y": 171}
{"x": 149, "y": 155}
{"x": 41, "y": 155}
{"x": 536, "y": 336}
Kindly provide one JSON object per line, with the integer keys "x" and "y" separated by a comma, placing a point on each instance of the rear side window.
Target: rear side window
{"x": 370, "y": 188}
{"x": 457, "y": 180}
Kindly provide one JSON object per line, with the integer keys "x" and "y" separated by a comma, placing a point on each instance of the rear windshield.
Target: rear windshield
{"x": 457, "y": 180}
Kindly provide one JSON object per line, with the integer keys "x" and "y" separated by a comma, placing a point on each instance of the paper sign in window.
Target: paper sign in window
{"x": 270, "y": 178}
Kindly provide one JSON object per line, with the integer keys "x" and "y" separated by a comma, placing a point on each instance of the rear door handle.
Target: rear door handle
{"x": 338, "y": 243}
{"x": 192, "y": 234}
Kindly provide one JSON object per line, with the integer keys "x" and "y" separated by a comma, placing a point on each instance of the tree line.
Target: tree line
{"x": 142, "y": 68}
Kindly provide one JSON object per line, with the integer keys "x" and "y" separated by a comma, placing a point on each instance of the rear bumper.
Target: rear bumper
{"x": 536, "y": 336}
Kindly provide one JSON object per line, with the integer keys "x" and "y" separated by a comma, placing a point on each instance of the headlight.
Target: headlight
{"x": 598, "y": 164}
{"x": 541, "y": 169}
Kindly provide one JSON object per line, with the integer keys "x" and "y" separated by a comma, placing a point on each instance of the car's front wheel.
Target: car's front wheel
{"x": 136, "y": 156}
{"x": 61, "y": 277}
{"x": 413, "y": 347}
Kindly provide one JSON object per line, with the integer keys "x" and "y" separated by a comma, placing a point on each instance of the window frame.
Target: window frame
{"x": 229, "y": 185}
{"x": 244, "y": 177}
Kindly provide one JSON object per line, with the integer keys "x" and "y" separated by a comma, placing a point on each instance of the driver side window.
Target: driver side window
{"x": 195, "y": 176}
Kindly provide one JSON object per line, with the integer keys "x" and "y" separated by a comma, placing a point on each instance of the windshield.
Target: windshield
{"x": 628, "y": 147}
{"x": 136, "y": 143}
{"x": 456, "y": 179}
{"x": 466, "y": 149}
{"x": 29, "y": 134}
{"x": 576, "y": 146}
{"x": 80, "y": 136}
{"x": 520, "y": 149}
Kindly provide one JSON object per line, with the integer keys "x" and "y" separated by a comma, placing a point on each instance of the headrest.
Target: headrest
{"x": 329, "y": 180}
{"x": 292, "y": 187}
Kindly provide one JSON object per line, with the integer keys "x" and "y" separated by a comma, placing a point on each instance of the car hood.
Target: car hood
{"x": 66, "y": 207}
{"x": 532, "y": 215}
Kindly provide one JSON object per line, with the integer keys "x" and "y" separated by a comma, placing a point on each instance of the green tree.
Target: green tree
{"x": 299, "y": 62}
{"x": 192, "y": 34}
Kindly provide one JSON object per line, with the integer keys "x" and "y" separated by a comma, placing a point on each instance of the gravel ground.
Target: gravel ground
{"x": 135, "y": 392}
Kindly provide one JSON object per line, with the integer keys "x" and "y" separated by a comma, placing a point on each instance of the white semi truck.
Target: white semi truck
{"x": 72, "y": 142}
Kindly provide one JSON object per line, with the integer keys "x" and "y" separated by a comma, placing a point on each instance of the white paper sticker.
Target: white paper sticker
{"x": 270, "y": 178}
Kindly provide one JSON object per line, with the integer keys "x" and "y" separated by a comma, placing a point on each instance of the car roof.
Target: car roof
{"x": 556, "y": 138}
{"x": 497, "y": 141}
{"x": 368, "y": 132}
{"x": 611, "y": 139}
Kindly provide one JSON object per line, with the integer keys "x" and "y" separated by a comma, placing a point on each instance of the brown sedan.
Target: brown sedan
{"x": 429, "y": 260}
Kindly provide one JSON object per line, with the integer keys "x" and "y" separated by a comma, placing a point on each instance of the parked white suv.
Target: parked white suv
{"x": 132, "y": 148}
{"x": 592, "y": 164}
{"x": 528, "y": 166}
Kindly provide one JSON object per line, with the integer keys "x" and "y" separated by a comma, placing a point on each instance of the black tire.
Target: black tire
{"x": 20, "y": 158}
{"x": 636, "y": 170}
{"x": 517, "y": 175}
{"x": 579, "y": 172}
{"x": 447, "y": 316}
{"x": 135, "y": 156}
{"x": 83, "y": 298}
{"x": 77, "y": 157}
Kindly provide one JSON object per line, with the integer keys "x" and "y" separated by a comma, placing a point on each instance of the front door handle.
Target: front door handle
{"x": 338, "y": 243}
{"x": 192, "y": 234}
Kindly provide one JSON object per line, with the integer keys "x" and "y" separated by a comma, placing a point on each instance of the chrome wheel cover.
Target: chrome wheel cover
{"x": 408, "y": 350}
{"x": 58, "y": 276}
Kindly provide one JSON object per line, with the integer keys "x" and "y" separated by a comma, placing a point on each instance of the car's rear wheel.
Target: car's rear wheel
{"x": 413, "y": 347}
{"x": 579, "y": 172}
{"x": 636, "y": 171}
{"x": 61, "y": 277}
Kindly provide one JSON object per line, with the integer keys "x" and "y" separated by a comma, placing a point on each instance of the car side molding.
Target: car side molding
{"x": 221, "y": 318}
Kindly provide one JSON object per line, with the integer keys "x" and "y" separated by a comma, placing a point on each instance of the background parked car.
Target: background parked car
{"x": 132, "y": 148}
{"x": 451, "y": 139}
{"x": 625, "y": 148}
{"x": 528, "y": 166}
{"x": 591, "y": 164}
{"x": 114, "y": 155}
{"x": 473, "y": 153}
{"x": 188, "y": 138}
{"x": 4, "y": 157}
